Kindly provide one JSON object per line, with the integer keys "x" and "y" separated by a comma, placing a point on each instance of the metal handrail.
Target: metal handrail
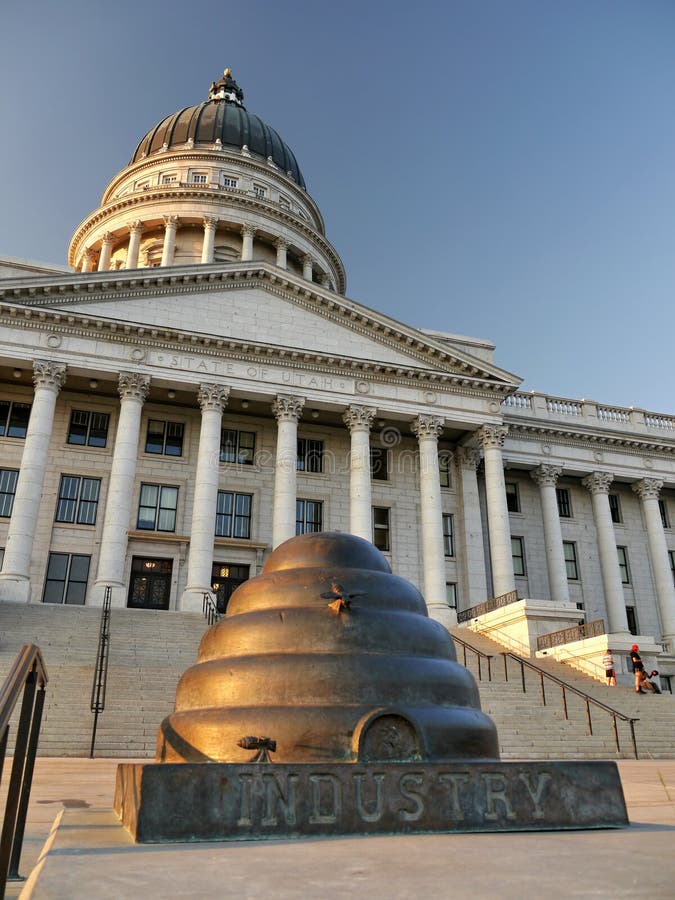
{"x": 209, "y": 609}
{"x": 479, "y": 655}
{"x": 488, "y": 606}
{"x": 587, "y": 698}
{"x": 568, "y": 635}
{"x": 28, "y": 674}
{"x": 100, "y": 684}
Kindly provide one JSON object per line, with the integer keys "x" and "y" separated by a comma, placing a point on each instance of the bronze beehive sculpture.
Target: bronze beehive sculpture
{"x": 327, "y": 657}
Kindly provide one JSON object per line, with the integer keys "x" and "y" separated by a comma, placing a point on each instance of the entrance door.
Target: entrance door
{"x": 225, "y": 579}
{"x": 150, "y": 584}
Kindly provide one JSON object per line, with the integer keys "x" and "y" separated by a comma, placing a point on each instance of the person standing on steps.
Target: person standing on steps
{"x": 638, "y": 668}
{"x": 610, "y": 672}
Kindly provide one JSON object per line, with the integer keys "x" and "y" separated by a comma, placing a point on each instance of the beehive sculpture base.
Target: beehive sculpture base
{"x": 164, "y": 803}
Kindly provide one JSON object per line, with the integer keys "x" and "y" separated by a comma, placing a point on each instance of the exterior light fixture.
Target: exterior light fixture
{"x": 315, "y": 413}
{"x": 93, "y": 384}
{"x": 18, "y": 373}
{"x": 170, "y": 394}
{"x": 244, "y": 404}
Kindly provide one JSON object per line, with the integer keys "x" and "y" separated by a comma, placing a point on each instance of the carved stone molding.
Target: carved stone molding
{"x": 546, "y": 475}
{"x": 248, "y": 230}
{"x": 281, "y": 243}
{"x": 133, "y": 386}
{"x": 136, "y": 226}
{"x": 213, "y": 396}
{"x": 598, "y": 482}
{"x": 107, "y": 238}
{"x": 48, "y": 374}
{"x": 210, "y": 222}
{"x": 427, "y": 427}
{"x": 648, "y": 488}
{"x": 357, "y": 416}
{"x": 491, "y": 437}
{"x": 171, "y": 221}
{"x": 467, "y": 458}
{"x": 287, "y": 408}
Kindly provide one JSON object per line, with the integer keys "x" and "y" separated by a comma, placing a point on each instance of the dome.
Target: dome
{"x": 223, "y": 118}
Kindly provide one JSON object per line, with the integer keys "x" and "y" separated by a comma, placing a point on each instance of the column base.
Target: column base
{"x": 118, "y": 597}
{"x": 443, "y": 614}
{"x": 192, "y": 599}
{"x": 14, "y": 589}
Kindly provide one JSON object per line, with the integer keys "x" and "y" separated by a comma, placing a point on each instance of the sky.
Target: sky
{"x": 503, "y": 169}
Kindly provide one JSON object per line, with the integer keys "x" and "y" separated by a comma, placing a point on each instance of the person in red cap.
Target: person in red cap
{"x": 638, "y": 668}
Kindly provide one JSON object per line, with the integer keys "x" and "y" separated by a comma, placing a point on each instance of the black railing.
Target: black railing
{"x": 479, "y": 656}
{"x": 210, "y": 609}
{"x": 28, "y": 674}
{"x": 99, "y": 686}
{"x": 488, "y": 606}
{"x": 565, "y": 687}
{"x": 567, "y": 635}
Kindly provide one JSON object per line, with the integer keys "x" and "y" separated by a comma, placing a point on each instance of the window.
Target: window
{"x": 14, "y": 419}
{"x": 632, "y": 620}
{"x": 564, "y": 505}
{"x": 237, "y": 446}
{"x": 671, "y": 557}
{"x": 8, "y": 479}
{"x": 444, "y": 461}
{"x": 622, "y": 553}
{"x": 87, "y": 428}
{"x": 570, "y": 551}
{"x": 381, "y": 528}
{"x": 169, "y": 179}
{"x": 615, "y": 508}
{"x": 379, "y": 463}
{"x": 448, "y": 539}
{"x": 284, "y": 202}
{"x": 66, "y": 580}
{"x": 308, "y": 516}
{"x": 198, "y": 178}
{"x": 512, "y": 498}
{"x": 225, "y": 579}
{"x": 518, "y": 555}
{"x": 310, "y": 455}
{"x": 157, "y": 507}
{"x": 451, "y": 594}
{"x": 164, "y": 437}
{"x": 233, "y": 515}
{"x": 229, "y": 182}
{"x": 663, "y": 509}
{"x": 259, "y": 191}
{"x": 78, "y": 500}
{"x": 2, "y": 557}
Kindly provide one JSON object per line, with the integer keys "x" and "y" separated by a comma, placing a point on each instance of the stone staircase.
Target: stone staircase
{"x": 149, "y": 651}
{"x": 528, "y": 729}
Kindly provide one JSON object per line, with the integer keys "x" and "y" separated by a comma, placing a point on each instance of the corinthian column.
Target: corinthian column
{"x": 133, "y": 389}
{"x": 48, "y": 378}
{"x": 282, "y": 247}
{"x": 106, "y": 250}
{"x": 210, "y": 225}
{"x": 287, "y": 410}
{"x": 467, "y": 460}
{"x": 491, "y": 439}
{"x": 212, "y": 400}
{"x": 359, "y": 420}
{"x": 547, "y": 477}
{"x": 307, "y": 267}
{"x": 87, "y": 261}
{"x": 648, "y": 491}
{"x": 598, "y": 484}
{"x": 135, "y": 230}
{"x": 428, "y": 430}
{"x": 169, "y": 246}
{"x": 247, "y": 235}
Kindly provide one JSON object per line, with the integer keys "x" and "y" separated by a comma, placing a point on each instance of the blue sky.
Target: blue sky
{"x": 496, "y": 168}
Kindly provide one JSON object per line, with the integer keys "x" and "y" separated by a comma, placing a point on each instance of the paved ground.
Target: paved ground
{"x": 92, "y": 857}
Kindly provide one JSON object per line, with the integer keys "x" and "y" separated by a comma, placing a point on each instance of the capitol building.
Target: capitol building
{"x": 196, "y": 387}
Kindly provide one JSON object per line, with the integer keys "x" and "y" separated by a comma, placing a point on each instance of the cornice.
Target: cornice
{"x": 582, "y": 438}
{"x": 102, "y": 286}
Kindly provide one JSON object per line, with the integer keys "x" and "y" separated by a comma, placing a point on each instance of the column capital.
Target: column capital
{"x": 107, "y": 238}
{"x": 287, "y": 408}
{"x": 491, "y": 437}
{"x": 648, "y": 488}
{"x": 171, "y": 221}
{"x": 281, "y": 243}
{"x": 136, "y": 226}
{"x": 546, "y": 475}
{"x": 427, "y": 427}
{"x": 467, "y": 457}
{"x": 213, "y": 396}
{"x": 598, "y": 482}
{"x": 48, "y": 374}
{"x": 357, "y": 416}
{"x": 307, "y": 259}
{"x": 210, "y": 221}
{"x": 248, "y": 230}
{"x": 133, "y": 386}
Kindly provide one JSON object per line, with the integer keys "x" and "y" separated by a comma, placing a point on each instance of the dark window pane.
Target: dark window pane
{"x": 246, "y": 453}
{"x": 79, "y": 426}
{"x": 4, "y": 416}
{"x": 18, "y": 420}
{"x": 174, "y": 439}
{"x": 79, "y": 568}
{"x": 228, "y": 445}
{"x": 8, "y": 479}
{"x": 98, "y": 432}
{"x": 53, "y": 592}
{"x": 58, "y": 566}
{"x": 154, "y": 442}
{"x": 75, "y": 593}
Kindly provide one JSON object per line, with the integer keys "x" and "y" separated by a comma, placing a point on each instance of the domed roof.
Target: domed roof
{"x": 222, "y": 117}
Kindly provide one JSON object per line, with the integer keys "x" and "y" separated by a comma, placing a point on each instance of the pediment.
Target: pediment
{"x": 256, "y": 308}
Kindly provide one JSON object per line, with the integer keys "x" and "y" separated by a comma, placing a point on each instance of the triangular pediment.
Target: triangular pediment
{"x": 253, "y": 307}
